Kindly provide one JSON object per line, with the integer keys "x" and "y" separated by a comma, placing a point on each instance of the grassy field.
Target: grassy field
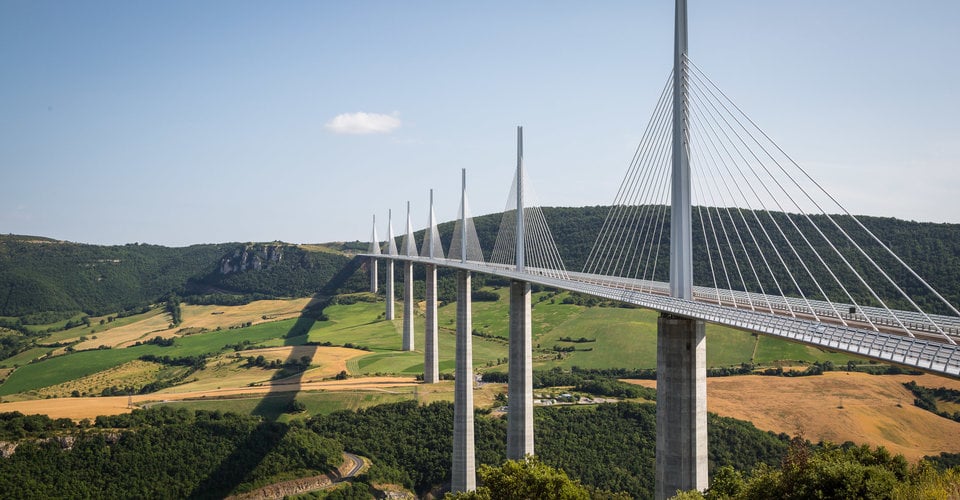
{"x": 55, "y": 324}
{"x": 25, "y": 357}
{"x": 771, "y": 350}
{"x": 359, "y": 324}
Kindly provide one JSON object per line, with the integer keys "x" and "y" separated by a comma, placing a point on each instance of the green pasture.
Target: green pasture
{"x": 55, "y": 324}
{"x": 361, "y": 324}
{"x": 771, "y": 350}
{"x": 25, "y": 357}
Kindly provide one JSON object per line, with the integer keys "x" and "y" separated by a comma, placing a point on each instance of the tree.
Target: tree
{"x": 521, "y": 479}
{"x": 296, "y": 407}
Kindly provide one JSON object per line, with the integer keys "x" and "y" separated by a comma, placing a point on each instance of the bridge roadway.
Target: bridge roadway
{"x": 819, "y": 323}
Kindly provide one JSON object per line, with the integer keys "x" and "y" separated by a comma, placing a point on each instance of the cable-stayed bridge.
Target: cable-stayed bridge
{"x": 713, "y": 222}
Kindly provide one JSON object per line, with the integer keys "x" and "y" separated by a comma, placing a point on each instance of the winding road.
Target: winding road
{"x": 357, "y": 465}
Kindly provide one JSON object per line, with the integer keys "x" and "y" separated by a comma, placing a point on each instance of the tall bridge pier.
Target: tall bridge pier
{"x": 681, "y": 461}
{"x": 388, "y": 287}
{"x": 431, "y": 363}
{"x": 409, "y": 249}
{"x": 520, "y": 363}
{"x": 374, "y": 250}
{"x": 520, "y": 383}
{"x": 464, "y": 473}
{"x": 388, "y": 292}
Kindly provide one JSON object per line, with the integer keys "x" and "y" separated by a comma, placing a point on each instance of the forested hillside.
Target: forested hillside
{"x": 39, "y": 275}
{"x": 42, "y": 275}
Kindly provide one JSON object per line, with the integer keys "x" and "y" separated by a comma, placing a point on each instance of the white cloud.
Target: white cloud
{"x": 363, "y": 123}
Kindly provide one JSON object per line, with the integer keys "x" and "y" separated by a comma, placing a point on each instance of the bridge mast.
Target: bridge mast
{"x": 681, "y": 244}
{"x": 681, "y": 458}
{"x": 520, "y": 362}
{"x": 520, "y": 230}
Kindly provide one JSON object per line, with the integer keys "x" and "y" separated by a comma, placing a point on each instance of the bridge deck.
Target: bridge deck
{"x": 792, "y": 319}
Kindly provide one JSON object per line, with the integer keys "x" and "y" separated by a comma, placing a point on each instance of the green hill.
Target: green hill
{"x": 40, "y": 275}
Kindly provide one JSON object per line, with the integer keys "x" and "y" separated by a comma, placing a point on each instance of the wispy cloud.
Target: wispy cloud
{"x": 363, "y": 123}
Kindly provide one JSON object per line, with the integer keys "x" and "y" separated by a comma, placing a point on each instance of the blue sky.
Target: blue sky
{"x": 189, "y": 122}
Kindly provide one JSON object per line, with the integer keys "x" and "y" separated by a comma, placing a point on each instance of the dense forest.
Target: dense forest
{"x": 828, "y": 471}
{"x": 607, "y": 446}
{"x": 164, "y": 452}
{"x": 174, "y": 453}
{"x": 157, "y": 453}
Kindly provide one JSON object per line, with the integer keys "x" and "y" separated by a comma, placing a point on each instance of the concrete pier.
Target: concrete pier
{"x": 388, "y": 292}
{"x": 520, "y": 388}
{"x": 408, "y": 306}
{"x": 681, "y": 462}
{"x": 375, "y": 250}
{"x": 431, "y": 363}
{"x": 464, "y": 474}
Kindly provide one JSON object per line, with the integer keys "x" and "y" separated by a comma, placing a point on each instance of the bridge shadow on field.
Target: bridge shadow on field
{"x": 249, "y": 454}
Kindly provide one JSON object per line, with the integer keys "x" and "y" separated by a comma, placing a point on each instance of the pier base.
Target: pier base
{"x": 681, "y": 462}
{"x": 520, "y": 386}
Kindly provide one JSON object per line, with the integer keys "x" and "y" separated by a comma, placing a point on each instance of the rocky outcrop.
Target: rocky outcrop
{"x": 286, "y": 488}
{"x": 8, "y": 448}
{"x": 251, "y": 258}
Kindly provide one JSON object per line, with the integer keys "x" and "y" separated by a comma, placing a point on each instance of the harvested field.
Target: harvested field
{"x": 152, "y": 326}
{"x": 222, "y": 372}
{"x": 229, "y": 371}
{"x": 838, "y": 407}
{"x": 80, "y": 408}
{"x": 329, "y": 361}
{"x": 211, "y": 317}
{"x": 196, "y": 319}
